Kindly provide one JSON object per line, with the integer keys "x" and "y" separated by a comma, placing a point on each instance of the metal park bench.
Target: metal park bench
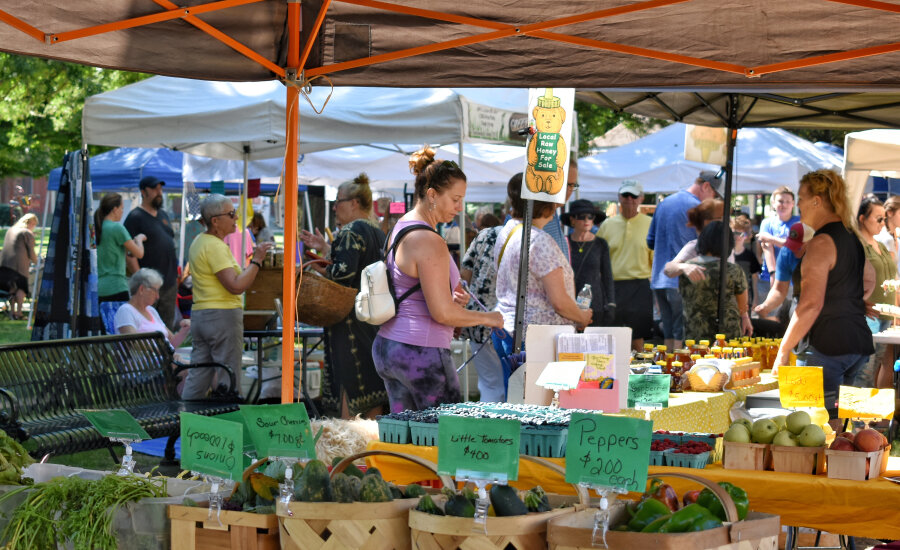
{"x": 43, "y": 383}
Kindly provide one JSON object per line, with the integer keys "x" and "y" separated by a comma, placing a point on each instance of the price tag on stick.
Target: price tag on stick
{"x": 212, "y": 446}
{"x": 608, "y": 451}
{"x": 649, "y": 390}
{"x": 478, "y": 448}
{"x": 801, "y": 387}
{"x": 280, "y": 430}
{"x": 115, "y": 424}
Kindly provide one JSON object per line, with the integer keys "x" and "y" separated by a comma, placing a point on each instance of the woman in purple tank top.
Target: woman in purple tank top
{"x": 412, "y": 350}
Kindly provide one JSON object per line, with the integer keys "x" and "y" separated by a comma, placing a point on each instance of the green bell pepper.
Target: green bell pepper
{"x": 710, "y": 501}
{"x": 654, "y": 526}
{"x": 645, "y": 513}
{"x": 682, "y": 520}
{"x": 705, "y": 522}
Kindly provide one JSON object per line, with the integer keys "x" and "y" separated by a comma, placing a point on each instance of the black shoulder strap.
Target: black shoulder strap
{"x": 393, "y": 248}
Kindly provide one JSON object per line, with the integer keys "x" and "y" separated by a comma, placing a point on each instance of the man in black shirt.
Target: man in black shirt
{"x": 159, "y": 248}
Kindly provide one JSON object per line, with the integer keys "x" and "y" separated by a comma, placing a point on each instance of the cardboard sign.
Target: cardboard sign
{"x": 609, "y": 451}
{"x": 238, "y": 417}
{"x": 280, "y": 430}
{"x": 648, "y": 389}
{"x": 705, "y": 144}
{"x": 115, "y": 424}
{"x": 397, "y": 208}
{"x": 478, "y": 448}
{"x": 599, "y": 366}
{"x": 865, "y": 403}
{"x": 801, "y": 387}
{"x": 212, "y": 446}
{"x": 546, "y": 167}
{"x": 561, "y": 375}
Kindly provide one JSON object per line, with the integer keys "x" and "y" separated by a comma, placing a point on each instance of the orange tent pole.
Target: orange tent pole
{"x": 290, "y": 207}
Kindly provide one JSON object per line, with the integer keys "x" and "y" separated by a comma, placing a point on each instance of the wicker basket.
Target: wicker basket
{"x": 526, "y": 532}
{"x": 353, "y": 525}
{"x": 716, "y": 383}
{"x": 322, "y": 302}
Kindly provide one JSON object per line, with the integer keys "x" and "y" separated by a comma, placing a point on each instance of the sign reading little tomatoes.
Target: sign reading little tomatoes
{"x": 478, "y": 448}
{"x": 608, "y": 451}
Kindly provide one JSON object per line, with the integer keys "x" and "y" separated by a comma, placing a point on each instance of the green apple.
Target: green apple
{"x": 811, "y": 436}
{"x": 797, "y": 420}
{"x": 737, "y": 433}
{"x": 785, "y": 438}
{"x": 780, "y": 421}
{"x": 743, "y": 421}
{"x": 763, "y": 431}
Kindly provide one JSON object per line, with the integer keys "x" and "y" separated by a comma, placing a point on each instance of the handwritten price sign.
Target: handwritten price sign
{"x": 479, "y": 448}
{"x": 280, "y": 430}
{"x": 212, "y": 446}
{"x": 801, "y": 387}
{"x": 610, "y": 451}
{"x": 865, "y": 403}
{"x": 648, "y": 389}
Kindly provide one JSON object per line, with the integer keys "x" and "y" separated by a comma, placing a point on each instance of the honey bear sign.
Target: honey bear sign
{"x": 547, "y": 161}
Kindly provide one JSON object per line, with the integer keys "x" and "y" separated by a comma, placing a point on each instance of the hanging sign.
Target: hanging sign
{"x": 212, "y": 446}
{"x": 865, "y": 402}
{"x": 705, "y": 144}
{"x": 801, "y": 387}
{"x": 648, "y": 390}
{"x": 115, "y": 424}
{"x": 547, "y": 156}
{"x": 478, "y": 448}
{"x": 608, "y": 451}
{"x": 280, "y": 430}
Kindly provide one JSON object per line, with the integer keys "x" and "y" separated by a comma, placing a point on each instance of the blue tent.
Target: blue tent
{"x": 123, "y": 168}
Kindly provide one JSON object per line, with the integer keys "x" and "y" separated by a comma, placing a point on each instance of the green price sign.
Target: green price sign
{"x": 648, "y": 389}
{"x": 212, "y": 446}
{"x": 611, "y": 451}
{"x": 280, "y": 430}
{"x": 237, "y": 416}
{"x": 478, "y": 448}
{"x": 115, "y": 424}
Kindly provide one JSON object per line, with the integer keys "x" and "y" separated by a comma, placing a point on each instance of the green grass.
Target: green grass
{"x": 12, "y": 332}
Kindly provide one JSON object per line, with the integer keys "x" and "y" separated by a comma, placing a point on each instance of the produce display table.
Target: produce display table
{"x": 854, "y": 508}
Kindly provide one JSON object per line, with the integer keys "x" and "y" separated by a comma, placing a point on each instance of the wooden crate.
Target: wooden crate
{"x": 857, "y": 465}
{"x": 346, "y": 526}
{"x": 745, "y": 374}
{"x": 746, "y": 456}
{"x": 798, "y": 460}
{"x": 191, "y": 530}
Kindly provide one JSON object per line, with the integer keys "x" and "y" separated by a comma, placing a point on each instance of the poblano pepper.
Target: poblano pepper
{"x": 710, "y": 501}
{"x": 645, "y": 512}
{"x": 708, "y": 521}
{"x": 682, "y": 520}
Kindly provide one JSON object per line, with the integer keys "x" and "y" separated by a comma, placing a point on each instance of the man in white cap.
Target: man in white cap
{"x": 626, "y": 235}
{"x": 668, "y": 234}
{"x": 159, "y": 249}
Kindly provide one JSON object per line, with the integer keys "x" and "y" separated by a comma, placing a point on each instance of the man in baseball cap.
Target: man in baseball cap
{"x": 714, "y": 180}
{"x": 148, "y": 182}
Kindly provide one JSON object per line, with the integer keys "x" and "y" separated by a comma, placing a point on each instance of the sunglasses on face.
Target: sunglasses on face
{"x": 584, "y": 217}
{"x": 232, "y": 214}
{"x": 628, "y": 196}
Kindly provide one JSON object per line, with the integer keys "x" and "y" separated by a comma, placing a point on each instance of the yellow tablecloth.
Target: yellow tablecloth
{"x": 856, "y": 508}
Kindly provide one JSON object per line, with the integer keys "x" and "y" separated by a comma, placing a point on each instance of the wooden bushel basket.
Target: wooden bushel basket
{"x": 756, "y": 532}
{"x": 798, "y": 460}
{"x": 351, "y": 525}
{"x": 528, "y": 532}
{"x": 322, "y": 302}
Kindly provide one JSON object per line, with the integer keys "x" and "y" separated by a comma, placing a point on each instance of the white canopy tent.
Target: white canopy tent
{"x": 871, "y": 152}
{"x": 765, "y": 159}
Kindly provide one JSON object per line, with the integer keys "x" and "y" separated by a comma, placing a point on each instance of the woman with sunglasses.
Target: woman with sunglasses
{"x": 217, "y": 320}
{"x": 590, "y": 260}
{"x": 870, "y": 220}
{"x": 412, "y": 349}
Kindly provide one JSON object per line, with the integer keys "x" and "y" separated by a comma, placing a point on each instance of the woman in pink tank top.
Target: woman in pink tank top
{"x": 412, "y": 350}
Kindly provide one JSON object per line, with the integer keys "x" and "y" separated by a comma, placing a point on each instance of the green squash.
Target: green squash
{"x": 374, "y": 489}
{"x": 414, "y": 490}
{"x": 314, "y": 484}
{"x": 506, "y": 501}
{"x": 460, "y": 506}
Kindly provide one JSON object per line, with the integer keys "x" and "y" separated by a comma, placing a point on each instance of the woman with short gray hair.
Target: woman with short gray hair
{"x": 217, "y": 313}
{"x": 139, "y": 315}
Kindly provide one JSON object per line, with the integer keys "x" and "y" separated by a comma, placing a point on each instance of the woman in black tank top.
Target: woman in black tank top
{"x": 831, "y": 310}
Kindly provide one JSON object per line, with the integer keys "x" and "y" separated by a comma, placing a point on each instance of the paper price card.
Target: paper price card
{"x": 599, "y": 365}
{"x": 648, "y": 389}
{"x": 115, "y": 424}
{"x": 865, "y": 403}
{"x": 801, "y": 387}
{"x": 610, "y": 451}
{"x": 280, "y": 430}
{"x": 478, "y": 448}
{"x": 212, "y": 446}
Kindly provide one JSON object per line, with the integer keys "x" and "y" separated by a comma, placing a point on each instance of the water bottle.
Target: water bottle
{"x": 584, "y": 297}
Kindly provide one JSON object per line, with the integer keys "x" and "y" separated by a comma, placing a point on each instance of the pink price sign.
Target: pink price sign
{"x": 398, "y": 208}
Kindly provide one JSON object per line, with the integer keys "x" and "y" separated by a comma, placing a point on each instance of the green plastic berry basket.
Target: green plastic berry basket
{"x": 715, "y": 443}
{"x": 682, "y": 460}
{"x": 549, "y": 442}
{"x": 391, "y": 430}
{"x": 658, "y": 458}
{"x": 423, "y": 433}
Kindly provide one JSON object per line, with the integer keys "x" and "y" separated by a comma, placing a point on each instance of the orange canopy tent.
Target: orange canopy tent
{"x": 804, "y": 46}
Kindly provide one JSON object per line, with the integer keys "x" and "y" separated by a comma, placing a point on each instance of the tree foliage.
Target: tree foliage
{"x": 594, "y": 121}
{"x": 40, "y": 111}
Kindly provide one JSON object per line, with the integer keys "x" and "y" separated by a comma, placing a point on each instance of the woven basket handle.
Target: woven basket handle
{"x": 727, "y": 503}
{"x": 446, "y": 480}
{"x": 583, "y": 495}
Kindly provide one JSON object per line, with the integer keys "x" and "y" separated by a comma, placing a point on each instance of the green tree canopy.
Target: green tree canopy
{"x": 594, "y": 121}
{"x": 40, "y": 115}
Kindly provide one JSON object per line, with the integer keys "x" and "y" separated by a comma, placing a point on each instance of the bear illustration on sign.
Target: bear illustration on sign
{"x": 547, "y": 149}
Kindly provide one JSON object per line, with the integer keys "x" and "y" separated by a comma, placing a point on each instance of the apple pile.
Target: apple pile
{"x": 866, "y": 441}
{"x": 793, "y": 430}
